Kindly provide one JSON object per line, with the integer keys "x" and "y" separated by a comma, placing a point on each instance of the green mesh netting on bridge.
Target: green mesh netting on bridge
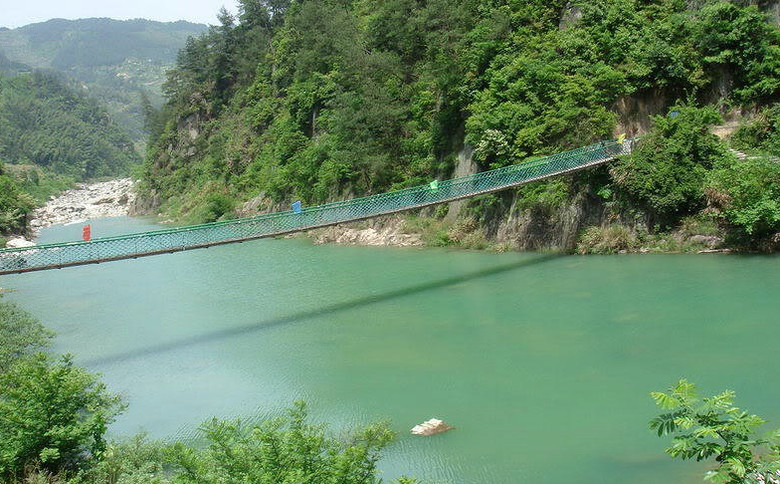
{"x": 54, "y": 256}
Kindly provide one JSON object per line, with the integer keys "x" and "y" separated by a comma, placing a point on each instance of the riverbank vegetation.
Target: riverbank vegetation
{"x": 322, "y": 100}
{"x": 54, "y": 416}
{"x": 704, "y": 428}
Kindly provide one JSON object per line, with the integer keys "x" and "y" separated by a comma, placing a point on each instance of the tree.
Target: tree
{"x": 714, "y": 427}
{"x": 53, "y": 415}
{"x": 15, "y": 205}
{"x": 746, "y": 194}
{"x": 20, "y": 334}
{"x": 666, "y": 173}
{"x": 283, "y": 450}
{"x": 741, "y": 44}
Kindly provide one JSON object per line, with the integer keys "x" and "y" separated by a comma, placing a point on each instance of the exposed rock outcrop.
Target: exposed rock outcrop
{"x": 570, "y": 17}
{"x": 465, "y": 166}
{"x": 547, "y": 229}
{"x": 387, "y": 231}
{"x": 634, "y": 112}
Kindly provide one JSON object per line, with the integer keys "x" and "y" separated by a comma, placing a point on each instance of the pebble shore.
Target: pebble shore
{"x": 111, "y": 198}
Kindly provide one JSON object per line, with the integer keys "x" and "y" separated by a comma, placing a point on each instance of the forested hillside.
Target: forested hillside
{"x": 50, "y": 136}
{"x": 120, "y": 63}
{"x": 321, "y": 99}
{"x": 43, "y": 122}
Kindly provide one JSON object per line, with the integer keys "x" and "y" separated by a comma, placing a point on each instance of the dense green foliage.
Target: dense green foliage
{"x": 318, "y": 99}
{"x": 15, "y": 205}
{"x": 286, "y": 449}
{"x": 744, "y": 193}
{"x": 762, "y": 133}
{"x": 45, "y": 123}
{"x": 53, "y": 415}
{"x": 747, "y": 195}
{"x": 667, "y": 171}
{"x": 22, "y": 335}
{"x": 714, "y": 427}
{"x": 22, "y": 188}
{"x": 120, "y": 62}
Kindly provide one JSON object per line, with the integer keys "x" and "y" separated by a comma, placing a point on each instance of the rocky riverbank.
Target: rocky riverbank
{"x": 378, "y": 232}
{"x": 111, "y": 198}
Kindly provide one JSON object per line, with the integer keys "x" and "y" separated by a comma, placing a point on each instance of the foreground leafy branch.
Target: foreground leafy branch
{"x": 714, "y": 427}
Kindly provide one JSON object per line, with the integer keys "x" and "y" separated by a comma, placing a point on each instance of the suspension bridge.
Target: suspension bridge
{"x": 58, "y": 256}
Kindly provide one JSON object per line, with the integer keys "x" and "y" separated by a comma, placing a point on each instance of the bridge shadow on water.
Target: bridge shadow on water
{"x": 315, "y": 313}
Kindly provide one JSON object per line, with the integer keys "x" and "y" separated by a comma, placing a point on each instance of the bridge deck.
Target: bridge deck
{"x": 56, "y": 256}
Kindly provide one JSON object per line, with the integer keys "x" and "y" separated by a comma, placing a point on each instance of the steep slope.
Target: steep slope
{"x": 319, "y": 100}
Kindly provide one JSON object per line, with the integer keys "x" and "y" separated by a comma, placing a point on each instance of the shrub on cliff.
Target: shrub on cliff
{"x": 666, "y": 173}
{"x": 762, "y": 133}
{"x": 746, "y": 195}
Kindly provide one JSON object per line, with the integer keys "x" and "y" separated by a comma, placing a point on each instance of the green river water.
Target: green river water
{"x": 543, "y": 363}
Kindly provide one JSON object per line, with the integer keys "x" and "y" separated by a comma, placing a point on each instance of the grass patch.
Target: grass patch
{"x": 612, "y": 239}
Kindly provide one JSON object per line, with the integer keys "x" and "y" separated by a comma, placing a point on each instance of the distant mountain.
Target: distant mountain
{"x": 116, "y": 62}
{"x": 95, "y": 42}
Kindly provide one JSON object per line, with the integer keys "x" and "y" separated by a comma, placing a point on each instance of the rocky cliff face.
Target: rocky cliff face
{"x": 540, "y": 229}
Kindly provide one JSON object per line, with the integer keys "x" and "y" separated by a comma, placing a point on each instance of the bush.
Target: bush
{"x": 714, "y": 427}
{"x": 746, "y": 194}
{"x": 137, "y": 460}
{"x": 20, "y": 334}
{"x": 53, "y": 416}
{"x": 286, "y": 449}
{"x": 283, "y": 449}
{"x": 666, "y": 172}
{"x": 762, "y": 133}
{"x": 612, "y": 239}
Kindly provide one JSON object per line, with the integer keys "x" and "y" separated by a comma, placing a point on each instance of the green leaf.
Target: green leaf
{"x": 665, "y": 401}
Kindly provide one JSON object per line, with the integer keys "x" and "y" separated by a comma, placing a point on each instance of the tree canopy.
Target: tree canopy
{"x": 50, "y": 125}
{"x": 321, "y": 99}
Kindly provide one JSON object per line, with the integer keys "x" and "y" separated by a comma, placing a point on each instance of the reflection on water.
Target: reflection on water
{"x": 543, "y": 363}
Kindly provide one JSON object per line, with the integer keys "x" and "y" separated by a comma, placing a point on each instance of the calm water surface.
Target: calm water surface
{"x": 543, "y": 363}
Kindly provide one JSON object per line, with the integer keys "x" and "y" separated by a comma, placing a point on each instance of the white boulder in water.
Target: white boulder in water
{"x": 431, "y": 427}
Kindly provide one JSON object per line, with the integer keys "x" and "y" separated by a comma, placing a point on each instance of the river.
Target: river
{"x": 543, "y": 363}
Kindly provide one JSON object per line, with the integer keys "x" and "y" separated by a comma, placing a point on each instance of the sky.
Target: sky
{"x": 16, "y": 13}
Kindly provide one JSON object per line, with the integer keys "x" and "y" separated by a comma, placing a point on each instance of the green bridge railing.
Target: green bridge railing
{"x": 55, "y": 256}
